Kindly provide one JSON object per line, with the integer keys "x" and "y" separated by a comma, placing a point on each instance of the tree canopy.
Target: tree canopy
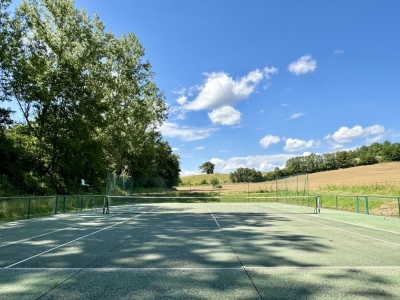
{"x": 207, "y": 167}
{"x": 88, "y": 98}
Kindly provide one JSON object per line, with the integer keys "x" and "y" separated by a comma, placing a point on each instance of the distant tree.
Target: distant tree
{"x": 246, "y": 175}
{"x": 207, "y": 167}
{"x": 214, "y": 181}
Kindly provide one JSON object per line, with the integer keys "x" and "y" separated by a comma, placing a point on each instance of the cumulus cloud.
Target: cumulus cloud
{"x": 262, "y": 163}
{"x": 185, "y": 133}
{"x": 219, "y": 92}
{"x": 220, "y": 89}
{"x": 268, "y": 140}
{"x": 296, "y": 145}
{"x": 225, "y": 115}
{"x": 295, "y": 116}
{"x": 304, "y": 65}
{"x": 345, "y": 134}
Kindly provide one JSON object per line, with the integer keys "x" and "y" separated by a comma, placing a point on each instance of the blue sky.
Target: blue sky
{"x": 253, "y": 83}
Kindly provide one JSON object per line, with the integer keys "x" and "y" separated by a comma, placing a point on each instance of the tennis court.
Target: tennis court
{"x": 201, "y": 251}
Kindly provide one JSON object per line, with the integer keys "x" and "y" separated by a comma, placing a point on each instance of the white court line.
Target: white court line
{"x": 368, "y": 227}
{"x": 213, "y": 269}
{"x": 213, "y": 217}
{"x": 29, "y": 258}
{"x": 339, "y": 221}
{"x": 44, "y": 234}
{"x": 366, "y": 236}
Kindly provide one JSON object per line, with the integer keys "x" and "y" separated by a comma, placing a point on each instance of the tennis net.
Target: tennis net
{"x": 310, "y": 201}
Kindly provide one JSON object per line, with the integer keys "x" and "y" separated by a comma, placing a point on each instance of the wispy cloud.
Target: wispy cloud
{"x": 200, "y": 148}
{"x": 259, "y": 162}
{"x": 304, "y": 65}
{"x": 185, "y": 133}
{"x": 338, "y": 51}
{"x": 295, "y": 116}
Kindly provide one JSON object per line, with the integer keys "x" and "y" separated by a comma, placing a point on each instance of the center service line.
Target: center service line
{"x": 213, "y": 217}
{"x": 29, "y": 258}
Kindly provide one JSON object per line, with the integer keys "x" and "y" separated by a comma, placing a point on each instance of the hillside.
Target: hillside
{"x": 378, "y": 174}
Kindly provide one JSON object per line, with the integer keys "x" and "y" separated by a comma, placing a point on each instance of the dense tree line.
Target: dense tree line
{"x": 365, "y": 155}
{"x": 88, "y": 99}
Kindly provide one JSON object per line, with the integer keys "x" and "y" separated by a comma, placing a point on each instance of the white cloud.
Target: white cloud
{"x": 338, "y": 51}
{"x": 175, "y": 149}
{"x": 219, "y": 89}
{"x": 181, "y": 100}
{"x": 268, "y": 140}
{"x": 225, "y": 115}
{"x": 185, "y": 133}
{"x": 345, "y": 134}
{"x": 200, "y": 148}
{"x": 304, "y": 65}
{"x": 189, "y": 173}
{"x": 259, "y": 162}
{"x": 296, "y": 145}
{"x": 294, "y": 116}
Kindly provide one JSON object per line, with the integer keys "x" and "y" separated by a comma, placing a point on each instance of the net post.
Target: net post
{"x": 398, "y": 204}
{"x": 366, "y": 205}
{"x": 357, "y": 205}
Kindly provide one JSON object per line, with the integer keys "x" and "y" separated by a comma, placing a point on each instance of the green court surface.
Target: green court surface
{"x": 201, "y": 251}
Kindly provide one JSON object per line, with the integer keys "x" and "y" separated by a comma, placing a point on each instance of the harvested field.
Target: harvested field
{"x": 384, "y": 173}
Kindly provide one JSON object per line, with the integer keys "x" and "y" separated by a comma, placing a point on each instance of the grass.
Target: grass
{"x": 365, "y": 189}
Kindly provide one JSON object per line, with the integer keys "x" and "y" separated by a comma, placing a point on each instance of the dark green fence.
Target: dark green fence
{"x": 14, "y": 208}
{"x": 388, "y": 206}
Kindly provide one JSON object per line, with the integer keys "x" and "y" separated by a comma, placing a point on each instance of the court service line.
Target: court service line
{"x": 243, "y": 267}
{"x": 214, "y": 268}
{"x": 82, "y": 237}
{"x": 214, "y": 217}
{"x": 366, "y": 236}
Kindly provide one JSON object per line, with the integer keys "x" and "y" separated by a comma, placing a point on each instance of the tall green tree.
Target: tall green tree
{"x": 207, "y": 167}
{"x": 7, "y": 38}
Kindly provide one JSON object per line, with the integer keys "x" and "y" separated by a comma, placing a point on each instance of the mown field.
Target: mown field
{"x": 378, "y": 179}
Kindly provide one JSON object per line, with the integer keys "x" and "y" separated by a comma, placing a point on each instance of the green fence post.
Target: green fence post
{"x": 366, "y": 205}
{"x": 398, "y": 204}
{"x": 29, "y": 206}
{"x": 56, "y": 206}
{"x": 65, "y": 199}
{"x": 357, "y": 208}
{"x": 337, "y": 207}
{"x": 81, "y": 203}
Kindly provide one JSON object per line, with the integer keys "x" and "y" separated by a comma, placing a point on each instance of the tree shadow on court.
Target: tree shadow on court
{"x": 198, "y": 252}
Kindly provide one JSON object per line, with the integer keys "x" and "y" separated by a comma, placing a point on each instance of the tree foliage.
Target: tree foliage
{"x": 88, "y": 98}
{"x": 246, "y": 175}
{"x": 207, "y": 167}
